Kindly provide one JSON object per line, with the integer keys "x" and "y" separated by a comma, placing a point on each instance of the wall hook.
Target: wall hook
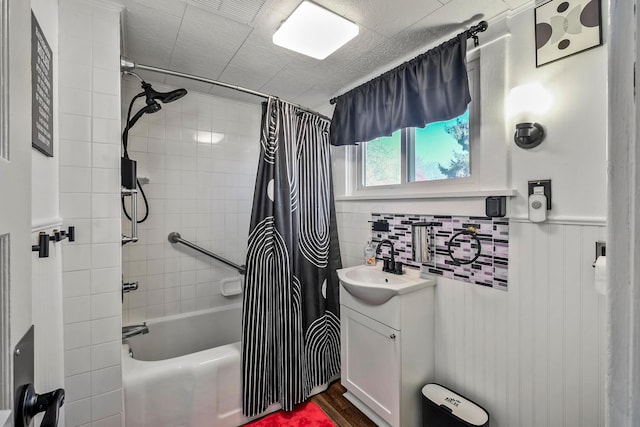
{"x": 43, "y": 240}
{"x": 43, "y": 245}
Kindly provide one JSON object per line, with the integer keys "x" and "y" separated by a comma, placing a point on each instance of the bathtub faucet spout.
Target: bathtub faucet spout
{"x": 133, "y": 330}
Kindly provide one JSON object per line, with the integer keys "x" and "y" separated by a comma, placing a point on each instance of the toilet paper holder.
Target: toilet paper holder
{"x": 601, "y": 250}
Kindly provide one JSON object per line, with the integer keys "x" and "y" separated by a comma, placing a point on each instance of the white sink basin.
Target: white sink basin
{"x": 373, "y": 286}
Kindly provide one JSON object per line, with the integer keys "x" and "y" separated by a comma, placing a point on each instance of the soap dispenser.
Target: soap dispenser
{"x": 369, "y": 253}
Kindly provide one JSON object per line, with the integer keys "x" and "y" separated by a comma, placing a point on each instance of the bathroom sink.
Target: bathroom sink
{"x": 373, "y": 286}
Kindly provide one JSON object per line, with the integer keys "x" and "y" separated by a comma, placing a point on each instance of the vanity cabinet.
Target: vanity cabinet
{"x": 388, "y": 354}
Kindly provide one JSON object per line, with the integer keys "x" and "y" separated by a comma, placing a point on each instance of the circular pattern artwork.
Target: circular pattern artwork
{"x": 566, "y": 27}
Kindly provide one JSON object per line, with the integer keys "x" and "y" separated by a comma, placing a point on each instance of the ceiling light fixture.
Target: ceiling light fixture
{"x": 314, "y": 31}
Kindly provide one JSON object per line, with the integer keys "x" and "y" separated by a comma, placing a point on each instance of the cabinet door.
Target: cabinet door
{"x": 371, "y": 363}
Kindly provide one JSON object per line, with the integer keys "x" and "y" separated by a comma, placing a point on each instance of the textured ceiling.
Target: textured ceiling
{"x": 230, "y": 41}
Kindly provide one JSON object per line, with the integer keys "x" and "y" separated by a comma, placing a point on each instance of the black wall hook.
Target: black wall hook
{"x": 43, "y": 245}
{"x": 43, "y": 240}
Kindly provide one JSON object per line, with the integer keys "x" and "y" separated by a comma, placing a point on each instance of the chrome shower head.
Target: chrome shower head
{"x": 164, "y": 97}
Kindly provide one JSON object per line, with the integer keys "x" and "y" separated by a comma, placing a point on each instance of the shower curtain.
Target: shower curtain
{"x": 291, "y": 326}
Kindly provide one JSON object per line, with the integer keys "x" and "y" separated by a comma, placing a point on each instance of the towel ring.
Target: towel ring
{"x": 471, "y": 232}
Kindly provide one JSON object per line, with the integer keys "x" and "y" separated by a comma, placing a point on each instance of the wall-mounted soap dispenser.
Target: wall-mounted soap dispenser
{"x": 539, "y": 200}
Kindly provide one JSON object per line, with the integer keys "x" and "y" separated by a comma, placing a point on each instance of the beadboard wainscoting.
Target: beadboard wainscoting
{"x": 533, "y": 356}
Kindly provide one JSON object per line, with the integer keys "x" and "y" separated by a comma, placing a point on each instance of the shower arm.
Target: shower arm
{"x": 174, "y": 237}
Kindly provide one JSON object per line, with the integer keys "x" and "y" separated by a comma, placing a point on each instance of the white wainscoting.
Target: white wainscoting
{"x": 533, "y": 356}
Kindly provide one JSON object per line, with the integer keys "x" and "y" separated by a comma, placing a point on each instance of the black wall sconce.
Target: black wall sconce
{"x": 528, "y": 135}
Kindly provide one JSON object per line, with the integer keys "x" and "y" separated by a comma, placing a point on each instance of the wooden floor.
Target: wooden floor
{"x": 339, "y": 409}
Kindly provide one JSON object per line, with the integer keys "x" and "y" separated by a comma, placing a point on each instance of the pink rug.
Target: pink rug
{"x": 306, "y": 414}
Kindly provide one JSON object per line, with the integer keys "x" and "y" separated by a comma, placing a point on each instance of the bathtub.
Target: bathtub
{"x": 186, "y": 372}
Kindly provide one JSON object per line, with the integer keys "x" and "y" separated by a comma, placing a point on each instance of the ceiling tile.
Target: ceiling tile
{"x": 265, "y": 59}
{"x": 250, "y": 78}
{"x": 382, "y": 16}
{"x": 210, "y": 31}
{"x": 150, "y": 35}
{"x": 179, "y": 82}
{"x": 172, "y": 7}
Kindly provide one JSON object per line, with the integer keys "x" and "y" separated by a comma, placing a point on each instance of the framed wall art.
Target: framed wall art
{"x": 566, "y": 27}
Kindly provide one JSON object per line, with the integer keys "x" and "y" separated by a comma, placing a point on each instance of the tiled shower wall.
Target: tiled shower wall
{"x": 492, "y": 234}
{"x": 200, "y": 154}
{"x": 89, "y": 40}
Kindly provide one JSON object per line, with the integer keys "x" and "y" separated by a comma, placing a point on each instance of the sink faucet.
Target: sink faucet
{"x": 390, "y": 265}
{"x": 133, "y": 330}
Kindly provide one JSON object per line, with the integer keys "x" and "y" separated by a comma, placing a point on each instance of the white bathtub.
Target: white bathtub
{"x": 186, "y": 371}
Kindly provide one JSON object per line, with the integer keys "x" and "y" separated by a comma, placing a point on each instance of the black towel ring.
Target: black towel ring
{"x": 471, "y": 232}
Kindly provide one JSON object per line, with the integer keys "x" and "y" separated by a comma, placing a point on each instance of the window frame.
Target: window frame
{"x": 406, "y": 148}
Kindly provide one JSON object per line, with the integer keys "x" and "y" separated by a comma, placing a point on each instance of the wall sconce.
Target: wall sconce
{"x": 527, "y": 100}
{"x": 528, "y": 135}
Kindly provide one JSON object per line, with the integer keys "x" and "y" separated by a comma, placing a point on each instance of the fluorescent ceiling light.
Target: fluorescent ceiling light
{"x": 314, "y": 31}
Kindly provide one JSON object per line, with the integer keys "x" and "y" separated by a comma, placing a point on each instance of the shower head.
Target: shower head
{"x": 164, "y": 97}
{"x": 147, "y": 109}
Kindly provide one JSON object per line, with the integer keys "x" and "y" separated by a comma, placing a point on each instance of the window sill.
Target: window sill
{"x": 440, "y": 195}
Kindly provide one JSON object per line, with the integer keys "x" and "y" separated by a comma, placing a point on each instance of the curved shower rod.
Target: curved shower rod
{"x": 127, "y": 66}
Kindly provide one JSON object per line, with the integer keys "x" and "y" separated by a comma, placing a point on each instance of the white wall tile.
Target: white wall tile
{"x": 75, "y": 101}
{"x": 105, "y": 405}
{"x": 77, "y": 387}
{"x": 112, "y": 421}
{"x": 180, "y": 194}
{"x": 75, "y": 179}
{"x": 106, "y": 380}
{"x": 77, "y": 361}
{"x": 105, "y": 280}
{"x": 78, "y": 413}
{"x": 105, "y": 255}
{"x": 105, "y": 330}
{"x": 106, "y": 106}
{"x": 75, "y": 205}
{"x": 76, "y": 257}
{"x": 105, "y": 230}
{"x": 105, "y": 180}
{"x": 90, "y": 199}
{"x": 77, "y": 335}
{"x": 106, "y": 131}
{"x": 75, "y": 127}
{"x": 106, "y": 355}
{"x": 75, "y": 153}
{"x": 76, "y": 283}
{"x": 77, "y": 309}
{"x": 106, "y": 156}
{"x": 106, "y": 305}
{"x": 105, "y": 205}
{"x": 106, "y": 81}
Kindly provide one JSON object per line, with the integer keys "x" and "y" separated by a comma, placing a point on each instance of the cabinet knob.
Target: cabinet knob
{"x": 392, "y": 336}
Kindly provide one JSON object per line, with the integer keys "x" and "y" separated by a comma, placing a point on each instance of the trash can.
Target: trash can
{"x": 442, "y": 407}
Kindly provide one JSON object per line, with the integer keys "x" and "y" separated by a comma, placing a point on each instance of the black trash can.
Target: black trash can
{"x": 442, "y": 407}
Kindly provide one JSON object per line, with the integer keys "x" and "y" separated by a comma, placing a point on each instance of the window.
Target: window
{"x": 439, "y": 151}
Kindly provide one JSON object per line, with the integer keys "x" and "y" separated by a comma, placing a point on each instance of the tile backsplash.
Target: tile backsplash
{"x": 489, "y": 269}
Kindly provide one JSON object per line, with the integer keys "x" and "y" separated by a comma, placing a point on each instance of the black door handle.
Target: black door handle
{"x": 29, "y": 404}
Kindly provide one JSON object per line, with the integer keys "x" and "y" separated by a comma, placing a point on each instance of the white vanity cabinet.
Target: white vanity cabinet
{"x": 388, "y": 354}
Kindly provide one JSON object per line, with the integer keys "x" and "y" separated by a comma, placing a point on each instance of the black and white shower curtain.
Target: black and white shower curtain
{"x": 291, "y": 326}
